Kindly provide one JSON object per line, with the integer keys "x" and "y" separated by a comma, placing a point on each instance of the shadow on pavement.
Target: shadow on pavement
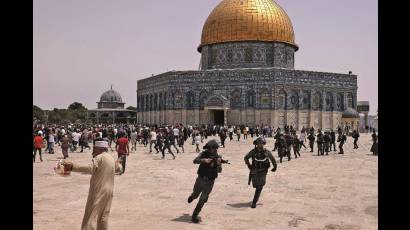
{"x": 241, "y": 205}
{"x": 184, "y": 218}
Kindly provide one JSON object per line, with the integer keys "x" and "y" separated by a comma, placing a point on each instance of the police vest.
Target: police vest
{"x": 260, "y": 160}
{"x": 205, "y": 170}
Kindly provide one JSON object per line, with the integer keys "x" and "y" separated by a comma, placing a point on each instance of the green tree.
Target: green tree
{"x": 132, "y": 108}
{"x": 76, "y": 111}
{"x": 38, "y": 113}
{"x": 76, "y": 106}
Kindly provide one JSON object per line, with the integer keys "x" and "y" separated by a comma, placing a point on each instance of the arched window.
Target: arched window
{"x": 236, "y": 98}
{"x": 151, "y": 102}
{"x": 329, "y": 101}
{"x": 281, "y": 103}
{"x": 146, "y": 103}
{"x": 305, "y": 100}
{"x": 156, "y": 102}
{"x": 202, "y": 98}
{"x": 293, "y": 100}
{"x": 160, "y": 101}
{"x": 178, "y": 99}
{"x": 165, "y": 103}
{"x": 250, "y": 98}
{"x": 190, "y": 100}
{"x": 350, "y": 100}
{"x": 339, "y": 102}
{"x": 264, "y": 96}
{"x": 317, "y": 101}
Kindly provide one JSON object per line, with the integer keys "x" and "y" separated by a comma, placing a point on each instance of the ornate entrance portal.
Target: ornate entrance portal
{"x": 217, "y": 116}
{"x": 217, "y": 106}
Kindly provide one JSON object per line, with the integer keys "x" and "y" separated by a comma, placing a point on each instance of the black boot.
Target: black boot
{"x": 190, "y": 199}
{"x": 197, "y": 210}
{"x": 256, "y": 197}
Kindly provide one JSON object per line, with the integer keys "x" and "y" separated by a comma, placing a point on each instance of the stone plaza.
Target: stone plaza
{"x": 311, "y": 192}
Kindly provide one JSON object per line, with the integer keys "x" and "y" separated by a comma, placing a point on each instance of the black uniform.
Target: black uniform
{"x": 342, "y": 140}
{"x": 167, "y": 144}
{"x": 320, "y": 143}
{"x": 282, "y": 148}
{"x": 333, "y": 140}
{"x": 311, "y": 139}
{"x": 296, "y": 145}
{"x": 374, "y": 149}
{"x": 222, "y": 135}
{"x": 289, "y": 141}
{"x": 326, "y": 141}
{"x": 259, "y": 169}
{"x": 207, "y": 173}
{"x": 355, "y": 136}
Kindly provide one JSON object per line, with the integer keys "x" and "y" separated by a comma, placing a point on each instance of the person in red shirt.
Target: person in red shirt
{"x": 123, "y": 150}
{"x": 38, "y": 144}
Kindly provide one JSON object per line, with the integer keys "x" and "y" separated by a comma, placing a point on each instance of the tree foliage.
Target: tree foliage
{"x": 132, "y": 108}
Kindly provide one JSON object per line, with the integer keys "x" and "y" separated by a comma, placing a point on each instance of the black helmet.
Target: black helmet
{"x": 259, "y": 140}
{"x": 211, "y": 144}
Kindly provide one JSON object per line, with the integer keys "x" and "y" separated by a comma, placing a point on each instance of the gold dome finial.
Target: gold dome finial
{"x": 247, "y": 20}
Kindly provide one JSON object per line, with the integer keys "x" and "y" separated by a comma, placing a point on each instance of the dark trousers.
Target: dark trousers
{"x": 167, "y": 146}
{"x": 326, "y": 147}
{"x": 84, "y": 146}
{"x": 257, "y": 194}
{"x": 311, "y": 145}
{"x": 320, "y": 149}
{"x": 333, "y": 143}
{"x": 230, "y": 136}
{"x": 173, "y": 144}
{"x": 245, "y": 136}
{"x": 158, "y": 147}
{"x": 39, "y": 153}
{"x": 355, "y": 144}
{"x": 301, "y": 143}
{"x": 203, "y": 186}
{"x": 123, "y": 158}
{"x": 341, "y": 149}
{"x": 296, "y": 151}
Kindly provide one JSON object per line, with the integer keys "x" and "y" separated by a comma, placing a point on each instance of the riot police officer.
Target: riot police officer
{"x": 289, "y": 140}
{"x": 320, "y": 143}
{"x": 259, "y": 167}
{"x": 295, "y": 144}
{"x": 332, "y": 140}
{"x": 311, "y": 139}
{"x": 210, "y": 164}
{"x": 342, "y": 139}
{"x": 326, "y": 141}
{"x": 355, "y": 136}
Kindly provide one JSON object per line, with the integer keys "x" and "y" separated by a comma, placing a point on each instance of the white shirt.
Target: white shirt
{"x": 176, "y": 132}
{"x": 302, "y": 137}
{"x": 76, "y": 136}
{"x": 153, "y": 136}
{"x": 51, "y": 138}
{"x": 230, "y": 130}
{"x": 198, "y": 140}
{"x": 134, "y": 136}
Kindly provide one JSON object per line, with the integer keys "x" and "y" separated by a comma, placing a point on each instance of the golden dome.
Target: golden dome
{"x": 247, "y": 20}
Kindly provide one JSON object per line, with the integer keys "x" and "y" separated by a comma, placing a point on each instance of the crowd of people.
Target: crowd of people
{"x": 73, "y": 138}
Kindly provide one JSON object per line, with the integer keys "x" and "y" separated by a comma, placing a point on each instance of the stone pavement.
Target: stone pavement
{"x": 311, "y": 192}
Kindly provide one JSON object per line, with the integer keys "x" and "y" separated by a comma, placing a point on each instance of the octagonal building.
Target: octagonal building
{"x": 247, "y": 76}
